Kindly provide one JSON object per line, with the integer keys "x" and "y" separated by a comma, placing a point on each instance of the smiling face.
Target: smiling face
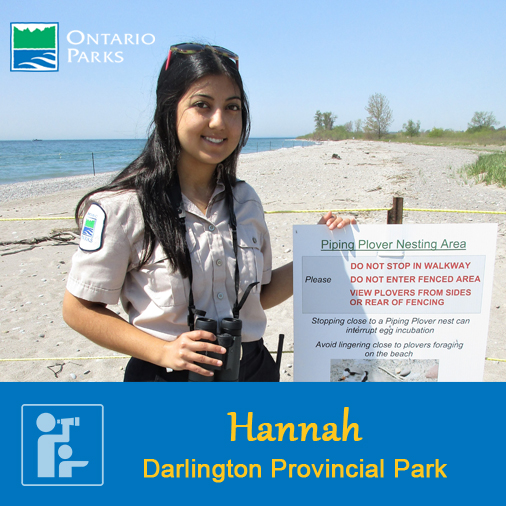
{"x": 209, "y": 122}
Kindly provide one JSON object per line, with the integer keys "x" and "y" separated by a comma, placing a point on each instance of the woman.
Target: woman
{"x": 175, "y": 234}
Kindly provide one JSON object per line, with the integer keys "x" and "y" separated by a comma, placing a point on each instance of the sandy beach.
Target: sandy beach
{"x": 367, "y": 175}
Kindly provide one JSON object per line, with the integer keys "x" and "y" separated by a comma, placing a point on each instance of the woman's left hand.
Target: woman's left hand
{"x": 334, "y": 222}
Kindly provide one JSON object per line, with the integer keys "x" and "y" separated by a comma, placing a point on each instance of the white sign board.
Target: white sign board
{"x": 392, "y": 302}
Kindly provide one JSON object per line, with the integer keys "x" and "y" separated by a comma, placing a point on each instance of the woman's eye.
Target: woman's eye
{"x": 234, "y": 107}
{"x": 200, "y": 105}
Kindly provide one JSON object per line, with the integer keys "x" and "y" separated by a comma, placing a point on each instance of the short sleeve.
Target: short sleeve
{"x": 267, "y": 254}
{"x": 104, "y": 257}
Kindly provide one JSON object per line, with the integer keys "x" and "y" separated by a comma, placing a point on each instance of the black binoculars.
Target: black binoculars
{"x": 230, "y": 339}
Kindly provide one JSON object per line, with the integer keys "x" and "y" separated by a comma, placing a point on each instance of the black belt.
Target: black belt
{"x": 138, "y": 370}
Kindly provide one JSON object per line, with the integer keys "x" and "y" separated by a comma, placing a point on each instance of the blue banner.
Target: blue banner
{"x": 245, "y": 443}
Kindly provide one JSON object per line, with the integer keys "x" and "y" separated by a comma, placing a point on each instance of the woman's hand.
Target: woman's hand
{"x": 107, "y": 329}
{"x": 334, "y": 222}
{"x": 183, "y": 352}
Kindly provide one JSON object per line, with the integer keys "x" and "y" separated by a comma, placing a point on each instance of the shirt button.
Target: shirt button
{"x": 219, "y": 263}
{"x": 255, "y": 240}
{"x": 211, "y": 228}
{"x": 220, "y": 296}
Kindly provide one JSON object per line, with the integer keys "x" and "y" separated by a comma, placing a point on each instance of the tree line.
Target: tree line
{"x": 379, "y": 119}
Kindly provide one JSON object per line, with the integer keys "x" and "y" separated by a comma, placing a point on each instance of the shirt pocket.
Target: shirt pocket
{"x": 250, "y": 257}
{"x": 163, "y": 286}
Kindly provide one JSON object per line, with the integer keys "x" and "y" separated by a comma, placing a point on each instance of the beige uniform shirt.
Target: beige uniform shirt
{"x": 155, "y": 298}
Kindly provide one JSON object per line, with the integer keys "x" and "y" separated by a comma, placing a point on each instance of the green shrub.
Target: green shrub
{"x": 489, "y": 169}
{"x": 436, "y": 132}
{"x": 411, "y": 129}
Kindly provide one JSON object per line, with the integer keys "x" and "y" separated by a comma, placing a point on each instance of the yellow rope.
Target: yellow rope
{"x": 306, "y": 211}
{"x": 387, "y": 209}
{"x": 331, "y": 210}
{"x": 453, "y": 211}
{"x": 60, "y": 359}
{"x": 38, "y": 219}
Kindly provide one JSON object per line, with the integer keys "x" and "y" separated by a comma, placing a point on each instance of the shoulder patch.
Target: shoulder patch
{"x": 93, "y": 229}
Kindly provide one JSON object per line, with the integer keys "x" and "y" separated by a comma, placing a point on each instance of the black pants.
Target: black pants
{"x": 256, "y": 365}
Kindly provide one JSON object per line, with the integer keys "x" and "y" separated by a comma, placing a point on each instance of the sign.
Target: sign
{"x": 392, "y": 302}
{"x": 62, "y": 444}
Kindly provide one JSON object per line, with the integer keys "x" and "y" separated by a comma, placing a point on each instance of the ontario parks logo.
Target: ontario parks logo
{"x": 34, "y": 47}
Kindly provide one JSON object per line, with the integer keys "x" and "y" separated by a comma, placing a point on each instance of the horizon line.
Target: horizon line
{"x": 138, "y": 139}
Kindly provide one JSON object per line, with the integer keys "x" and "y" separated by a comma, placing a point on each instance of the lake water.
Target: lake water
{"x": 31, "y": 160}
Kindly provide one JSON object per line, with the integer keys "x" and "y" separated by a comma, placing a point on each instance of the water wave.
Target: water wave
{"x": 35, "y": 59}
{"x": 52, "y": 62}
{"x": 34, "y": 65}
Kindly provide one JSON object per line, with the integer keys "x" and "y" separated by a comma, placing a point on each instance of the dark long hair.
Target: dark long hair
{"x": 154, "y": 172}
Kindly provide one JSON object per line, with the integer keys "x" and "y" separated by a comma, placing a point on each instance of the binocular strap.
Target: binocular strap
{"x": 177, "y": 203}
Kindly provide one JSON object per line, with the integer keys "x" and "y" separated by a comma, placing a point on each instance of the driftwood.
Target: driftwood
{"x": 58, "y": 237}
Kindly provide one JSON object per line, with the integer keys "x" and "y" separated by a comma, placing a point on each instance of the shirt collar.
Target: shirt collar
{"x": 192, "y": 208}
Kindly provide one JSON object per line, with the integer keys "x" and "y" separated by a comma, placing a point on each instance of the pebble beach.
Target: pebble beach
{"x": 35, "y": 254}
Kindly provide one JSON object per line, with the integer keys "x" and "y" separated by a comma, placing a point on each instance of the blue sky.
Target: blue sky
{"x": 436, "y": 61}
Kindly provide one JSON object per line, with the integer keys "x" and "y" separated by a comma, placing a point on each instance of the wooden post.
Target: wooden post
{"x": 93, "y": 161}
{"x": 280, "y": 350}
{"x": 394, "y": 216}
